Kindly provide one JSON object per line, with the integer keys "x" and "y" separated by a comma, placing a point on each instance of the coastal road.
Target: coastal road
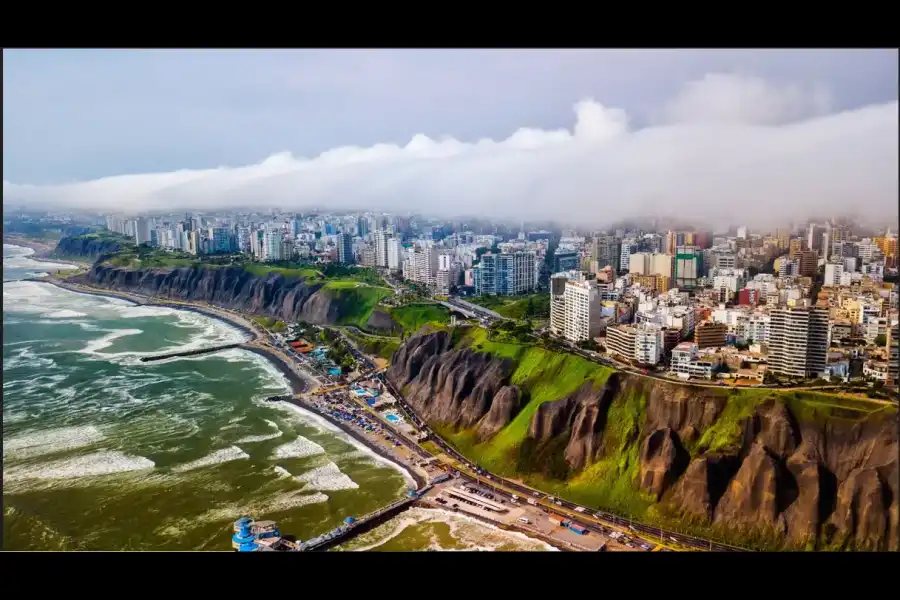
{"x": 589, "y": 517}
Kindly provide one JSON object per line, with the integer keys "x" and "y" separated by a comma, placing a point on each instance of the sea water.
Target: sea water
{"x": 104, "y": 452}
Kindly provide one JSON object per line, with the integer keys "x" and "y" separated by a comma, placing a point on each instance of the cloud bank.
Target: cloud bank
{"x": 728, "y": 149}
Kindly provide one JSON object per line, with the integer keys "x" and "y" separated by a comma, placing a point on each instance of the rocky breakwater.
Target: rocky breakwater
{"x": 778, "y": 470}
{"x": 289, "y": 299}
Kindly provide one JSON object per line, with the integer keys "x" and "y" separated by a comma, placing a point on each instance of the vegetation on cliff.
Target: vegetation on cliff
{"x": 531, "y": 306}
{"x": 763, "y": 468}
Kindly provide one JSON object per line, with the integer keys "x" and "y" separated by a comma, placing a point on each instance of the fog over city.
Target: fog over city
{"x": 726, "y": 146}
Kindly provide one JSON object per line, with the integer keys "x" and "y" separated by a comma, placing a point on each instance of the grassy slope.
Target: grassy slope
{"x": 415, "y": 316}
{"x": 610, "y": 482}
{"x": 376, "y": 346}
{"x": 357, "y": 300}
{"x": 514, "y": 307}
{"x": 262, "y": 270}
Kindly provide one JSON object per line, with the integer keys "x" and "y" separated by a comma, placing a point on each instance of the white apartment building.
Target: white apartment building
{"x": 833, "y": 272}
{"x": 756, "y": 327}
{"x": 272, "y": 244}
{"x": 620, "y": 340}
{"x": 642, "y": 263}
{"x": 583, "y": 305}
{"x": 396, "y": 254}
{"x": 643, "y": 343}
{"x": 381, "y": 248}
{"x": 873, "y": 327}
{"x": 649, "y": 344}
{"x": 685, "y": 362}
{"x": 798, "y": 341}
{"x": 142, "y": 231}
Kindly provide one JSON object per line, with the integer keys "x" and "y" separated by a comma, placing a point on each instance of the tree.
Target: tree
{"x": 881, "y": 340}
{"x": 529, "y": 308}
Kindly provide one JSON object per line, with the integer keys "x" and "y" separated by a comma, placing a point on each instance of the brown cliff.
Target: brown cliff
{"x": 787, "y": 466}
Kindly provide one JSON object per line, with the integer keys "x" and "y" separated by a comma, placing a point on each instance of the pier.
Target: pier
{"x": 348, "y": 531}
{"x": 195, "y": 352}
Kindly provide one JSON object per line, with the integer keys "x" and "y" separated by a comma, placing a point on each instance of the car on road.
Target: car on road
{"x": 524, "y": 520}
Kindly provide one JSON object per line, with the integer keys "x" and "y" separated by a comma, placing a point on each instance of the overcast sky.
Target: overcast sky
{"x": 584, "y": 134}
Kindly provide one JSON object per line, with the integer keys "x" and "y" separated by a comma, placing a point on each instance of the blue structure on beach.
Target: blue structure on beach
{"x": 248, "y": 533}
{"x": 243, "y": 539}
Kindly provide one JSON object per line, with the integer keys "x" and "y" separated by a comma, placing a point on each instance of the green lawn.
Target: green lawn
{"x": 376, "y": 346}
{"x": 262, "y": 270}
{"x": 516, "y": 307}
{"x": 415, "y": 316}
{"x": 357, "y": 301}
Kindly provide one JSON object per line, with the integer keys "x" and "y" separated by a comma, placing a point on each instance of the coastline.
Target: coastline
{"x": 298, "y": 383}
{"x": 42, "y": 251}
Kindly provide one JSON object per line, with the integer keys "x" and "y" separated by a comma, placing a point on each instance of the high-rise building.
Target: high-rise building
{"x": 583, "y": 306}
{"x": 813, "y": 239}
{"x": 641, "y": 263}
{"x": 142, "y": 233}
{"x": 505, "y": 274}
{"x": 893, "y": 347}
{"x": 798, "y": 341}
{"x": 625, "y": 257}
{"x": 710, "y": 334}
{"x": 606, "y": 251}
{"x": 381, "y": 248}
{"x": 687, "y": 267}
{"x": 220, "y": 239}
{"x": 558, "y": 303}
{"x": 345, "y": 248}
{"x": 424, "y": 266}
{"x": 888, "y": 246}
{"x": 272, "y": 244}
{"x": 396, "y": 254}
{"x": 564, "y": 261}
{"x": 362, "y": 227}
{"x": 808, "y": 263}
{"x": 833, "y": 274}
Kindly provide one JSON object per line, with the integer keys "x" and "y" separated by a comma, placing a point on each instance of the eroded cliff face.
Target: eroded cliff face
{"x": 88, "y": 248}
{"x": 735, "y": 462}
{"x": 229, "y": 287}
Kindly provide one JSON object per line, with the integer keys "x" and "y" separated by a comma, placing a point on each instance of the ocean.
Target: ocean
{"x": 104, "y": 452}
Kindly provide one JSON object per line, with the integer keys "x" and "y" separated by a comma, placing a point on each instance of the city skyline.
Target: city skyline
{"x": 734, "y": 140}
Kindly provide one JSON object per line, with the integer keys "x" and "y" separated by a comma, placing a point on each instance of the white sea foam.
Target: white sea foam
{"x": 259, "y": 438}
{"x": 298, "y": 448}
{"x": 327, "y": 478}
{"x": 38, "y": 443}
{"x": 95, "y": 346}
{"x": 18, "y": 257}
{"x": 471, "y": 534}
{"x": 104, "y": 462}
{"x": 64, "y": 314}
{"x": 226, "y": 513}
{"x": 25, "y": 357}
{"x": 282, "y": 472}
{"x": 218, "y": 457}
{"x": 310, "y": 418}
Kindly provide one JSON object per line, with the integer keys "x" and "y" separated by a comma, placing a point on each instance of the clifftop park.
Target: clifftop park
{"x": 760, "y": 468}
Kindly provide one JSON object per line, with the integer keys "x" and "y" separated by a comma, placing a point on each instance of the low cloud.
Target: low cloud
{"x": 728, "y": 149}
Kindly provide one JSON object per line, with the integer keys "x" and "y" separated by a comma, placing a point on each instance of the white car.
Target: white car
{"x": 523, "y": 520}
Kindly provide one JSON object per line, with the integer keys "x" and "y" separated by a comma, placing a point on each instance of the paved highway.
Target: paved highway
{"x": 585, "y": 517}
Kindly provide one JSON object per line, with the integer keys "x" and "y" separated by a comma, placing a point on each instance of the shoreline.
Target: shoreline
{"x": 356, "y": 435}
{"x": 297, "y": 382}
{"x": 42, "y": 252}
